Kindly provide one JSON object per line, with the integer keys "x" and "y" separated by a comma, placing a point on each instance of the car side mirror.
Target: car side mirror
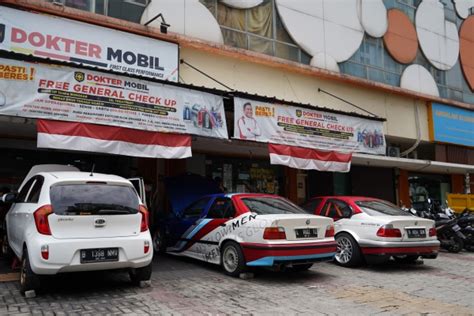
{"x": 8, "y": 198}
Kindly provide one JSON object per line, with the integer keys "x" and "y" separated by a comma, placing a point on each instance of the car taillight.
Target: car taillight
{"x": 274, "y": 233}
{"x": 45, "y": 252}
{"x": 432, "y": 232}
{"x": 389, "y": 231}
{"x": 41, "y": 219}
{"x": 144, "y": 223}
{"x": 330, "y": 231}
{"x": 146, "y": 246}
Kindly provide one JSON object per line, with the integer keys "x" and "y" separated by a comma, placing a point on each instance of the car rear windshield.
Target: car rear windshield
{"x": 380, "y": 208}
{"x": 93, "y": 199}
{"x": 270, "y": 205}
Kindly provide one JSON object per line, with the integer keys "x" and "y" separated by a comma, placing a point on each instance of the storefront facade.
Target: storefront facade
{"x": 271, "y": 60}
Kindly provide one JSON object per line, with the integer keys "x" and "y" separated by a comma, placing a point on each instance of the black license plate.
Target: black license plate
{"x": 99, "y": 255}
{"x": 416, "y": 233}
{"x": 306, "y": 232}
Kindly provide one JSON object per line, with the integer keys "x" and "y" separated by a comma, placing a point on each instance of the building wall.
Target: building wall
{"x": 263, "y": 80}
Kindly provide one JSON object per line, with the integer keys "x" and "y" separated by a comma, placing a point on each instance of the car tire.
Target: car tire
{"x": 159, "y": 242}
{"x": 232, "y": 259}
{"x": 406, "y": 259}
{"x": 348, "y": 253}
{"x": 301, "y": 267}
{"x": 457, "y": 246}
{"x": 28, "y": 279}
{"x": 141, "y": 274}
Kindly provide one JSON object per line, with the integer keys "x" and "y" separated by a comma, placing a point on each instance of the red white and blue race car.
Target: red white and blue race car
{"x": 239, "y": 231}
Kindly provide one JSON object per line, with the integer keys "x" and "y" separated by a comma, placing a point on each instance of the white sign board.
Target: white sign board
{"x": 289, "y": 125}
{"x": 75, "y": 42}
{"x": 69, "y": 94}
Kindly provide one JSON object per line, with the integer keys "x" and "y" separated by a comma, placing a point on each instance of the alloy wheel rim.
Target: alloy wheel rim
{"x": 344, "y": 250}
{"x": 230, "y": 259}
{"x": 157, "y": 242}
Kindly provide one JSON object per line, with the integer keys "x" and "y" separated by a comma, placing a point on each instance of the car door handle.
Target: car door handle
{"x": 223, "y": 224}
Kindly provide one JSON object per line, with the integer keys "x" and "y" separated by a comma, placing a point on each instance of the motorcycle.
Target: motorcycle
{"x": 466, "y": 222}
{"x": 450, "y": 235}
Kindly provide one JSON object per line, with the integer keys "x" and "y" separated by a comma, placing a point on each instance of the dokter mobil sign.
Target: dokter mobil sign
{"x": 453, "y": 125}
{"x": 69, "y": 94}
{"x": 81, "y": 43}
{"x": 289, "y": 125}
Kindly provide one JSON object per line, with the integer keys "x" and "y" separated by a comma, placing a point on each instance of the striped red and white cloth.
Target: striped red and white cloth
{"x": 307, "y": 159}
{"x": 112, "y": 140}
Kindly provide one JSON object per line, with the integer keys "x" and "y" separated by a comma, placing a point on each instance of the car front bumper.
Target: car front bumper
{"x": 267, "y": 255}
{"x": 64, "y": 254}
{"x": 427, "y": 248}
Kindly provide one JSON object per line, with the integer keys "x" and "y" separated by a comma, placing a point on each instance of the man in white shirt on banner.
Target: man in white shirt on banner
{"x": 248, "y": 128}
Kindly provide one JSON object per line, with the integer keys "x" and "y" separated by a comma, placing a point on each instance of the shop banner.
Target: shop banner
{"x": 289, "y": 125}
{"x": 46, "y": 36}
{"x": 453, "y": 125}
{"x": 68, "y": 94}
{"x": 112, "y": 140}
{"x": 309, "y": 159}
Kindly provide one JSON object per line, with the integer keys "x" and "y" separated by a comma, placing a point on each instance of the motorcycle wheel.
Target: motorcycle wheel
{"x": 457, "y": 246}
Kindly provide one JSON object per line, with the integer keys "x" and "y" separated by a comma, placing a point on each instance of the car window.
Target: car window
{"x": 271, "y": 205}
{"x": 35, "y": 191}
{"x": 222, "y": 208}
{"x": 24, "y": 191}
{"x": 91, "y": 199}
{"x": 312, "y": 205}
{"x": 196, "y": 208}
{"x": 343, "y": 209}
{"x": 380, "y": 208}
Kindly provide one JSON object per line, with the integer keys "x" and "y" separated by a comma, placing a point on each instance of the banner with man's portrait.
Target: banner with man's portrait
{"x": 294, "y": 126}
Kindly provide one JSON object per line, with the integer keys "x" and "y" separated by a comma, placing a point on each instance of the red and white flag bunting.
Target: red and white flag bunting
{"x": 306, "y": 158}
{"x": 112, "y": 140}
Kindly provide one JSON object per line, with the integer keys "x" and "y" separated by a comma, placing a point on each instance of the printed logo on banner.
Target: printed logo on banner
{"x": 79, "y": 76}
{"x": 299, "y": 113}
{"x": 370, "y": 139}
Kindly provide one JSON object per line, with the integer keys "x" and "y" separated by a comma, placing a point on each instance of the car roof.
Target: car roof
{"x": 346, "y": 198}
{"x": 82, "y": 176}
{"x": 229, "y": 195}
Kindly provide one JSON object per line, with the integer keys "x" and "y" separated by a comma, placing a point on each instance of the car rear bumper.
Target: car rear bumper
{"x": 423, "y": 248}
{"x": 274, "y": 254}
{"x": 64, "y": 254}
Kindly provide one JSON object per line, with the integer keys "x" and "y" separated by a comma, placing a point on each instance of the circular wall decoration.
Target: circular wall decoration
{"x": 242, "y": 4}
{"x": 400, "y": 40}
{"x": 192, "y": 19}
{"x": 439, "y": 39}
{"x": 417, "y": 78}
{"x": 466, "y": 35}
{"x": 323, "y": 26}
{"x": 322, "y": 60}
{"x": 373, "y": 17}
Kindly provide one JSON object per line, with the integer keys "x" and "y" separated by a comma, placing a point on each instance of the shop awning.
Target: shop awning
{"x": 411, "y": 164}
{"x": 112, "y": 140}
{"x": 309, "y": 159}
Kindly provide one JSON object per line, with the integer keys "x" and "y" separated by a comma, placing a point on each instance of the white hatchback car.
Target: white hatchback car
{"x": 68, "y": 221}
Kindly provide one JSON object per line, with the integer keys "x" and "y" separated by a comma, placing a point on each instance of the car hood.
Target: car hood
{"x": 184, "y": 189}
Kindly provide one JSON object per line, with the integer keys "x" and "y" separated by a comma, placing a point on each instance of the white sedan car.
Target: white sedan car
{"x": 67, "y": 221}
{"x": 373, "y": 230}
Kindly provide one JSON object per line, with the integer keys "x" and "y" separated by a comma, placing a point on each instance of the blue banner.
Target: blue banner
{"x": 453, "y": 125}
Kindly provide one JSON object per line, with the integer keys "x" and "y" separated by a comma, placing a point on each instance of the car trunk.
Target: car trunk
{"x": 301, "y": 226}
{"x": 94, "y": 210}
{"x": 412, "y": 228}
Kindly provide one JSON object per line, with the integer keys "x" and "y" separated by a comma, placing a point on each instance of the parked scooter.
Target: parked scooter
{"x": 466, "y": 222}
{"x": 450, "y": 235}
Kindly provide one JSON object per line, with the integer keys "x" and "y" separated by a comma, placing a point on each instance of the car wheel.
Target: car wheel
{"x": 141, "y": 274}
{"x": 348, "y": 252}
{"x": 232, "y": 259}
{"x": 406, "y": 259}
{"x": 28, "y": 279}
{"x": 302, "y": 267}
{"x": 159, "y": 242}
{"x": 457, "y": 245}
